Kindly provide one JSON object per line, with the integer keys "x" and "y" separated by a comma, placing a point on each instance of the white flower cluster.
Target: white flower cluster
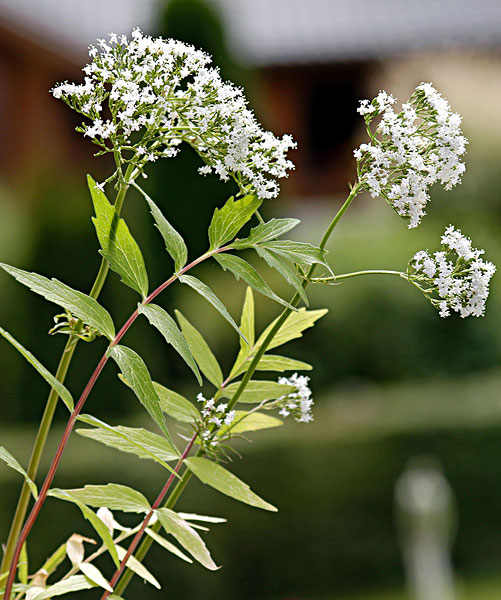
{"x": 298, "y": 403}
{"x": 214, "y": 416}
{"x": 456, "y": 274}
{"x": 410, "y": 150}
{"x": 159, "y": 93}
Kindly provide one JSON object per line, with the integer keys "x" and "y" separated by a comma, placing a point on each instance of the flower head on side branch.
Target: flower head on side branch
{"x": 145, "y": 96}
{"x": 410, "y": 150}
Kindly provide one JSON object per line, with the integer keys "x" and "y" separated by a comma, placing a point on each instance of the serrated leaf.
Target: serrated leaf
{"x": 174, "y": 243}
{"x": 176, "y": 406}
{"x": 166, "y": 325}
{"x": 242, "y": 269}
{"x": 205, "y": 291}
{"x": 273, "y": 362}
{"x": 254, "y": 421}
{"x": 95, "y": 575}
{"x": 88, "y": 310}
{"x": 299, "y": 252}
{"x": 138, "y": 378}
{"x": 161, "y": 541}
{"x": 201, "y": 351}
{"x": 112, "y": 495}
{"x": 266, "y": 231}
{"x": 258, "y": 390}
{"x": 293, "y": 327}
{"x": 228, "y": 220}
{"x": 49, "y": 378}
{"x": 288, "y": 271}
{"x": 117, "y": 244}
{"x": 7, "y": 457}
{"x": 75, "y": 583}
{"x": 139, "y": 569}
{"x": 225, "y": 482}
{"x": 189, "y": 539}
{"x": 133, "y": 440}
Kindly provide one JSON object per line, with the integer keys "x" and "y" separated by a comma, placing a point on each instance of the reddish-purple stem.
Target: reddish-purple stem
{"x": 73, "y": 417}
{"x": 155, "y": 505}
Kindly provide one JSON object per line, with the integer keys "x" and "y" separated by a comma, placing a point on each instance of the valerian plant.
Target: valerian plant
{"x": 141, "y": 99}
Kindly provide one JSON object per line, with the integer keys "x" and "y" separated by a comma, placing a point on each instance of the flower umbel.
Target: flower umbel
{"x": 410, "y": 150}
{"x": 454, "y": 278}
{"x": 160, "y": 93}
{"x": 299, "y": 402}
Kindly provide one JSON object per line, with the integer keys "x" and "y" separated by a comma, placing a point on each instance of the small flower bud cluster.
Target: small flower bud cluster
{"x": 455, "y": 278}
{"x": 299, "y": 402}
{"x": 410, "y": 150}
{"x": 159, "y": 93}
{"x": 214, "y": 416}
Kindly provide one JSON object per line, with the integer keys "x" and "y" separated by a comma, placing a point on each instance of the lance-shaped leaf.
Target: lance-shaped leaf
{"x": 138, "y": 378}
{"x": 288, "y": 271}
{"x": 133, "y": 440}
{"x": 247, "y": 320}
{"x": 84, "y": 307}
{"x": 265, "y": 232}
{"x": 112, "y": 495}
{"x": 189, "y": 539}
{"x": 166, "y": 325}
{"x": 242, "y": 269}
{"x": 258, "y": 390}
{"x": 228, "y": 220}
{"x": 250, "y": 421}
{"x": 22, "y": 566}
{"x": 174, "y": 243}
{"x": 117, "y": 244}
{"x": 13, "y": 464}
{"x": 134, "y": 565}
{"x": 225, "y": 482}
{"x": 95, "y": 575}
{"x": 205, "y": 291}
{"x": 298, "y": 252}
{"x": 176, "y": 406}
{"x": 49, "y": 378}
{"x": 54, "y": 560}
{"x": 161, "y": 541}
{"x": 201, "y": 351}
{"x": 75, "y": 583}
{"x": 95, "y": 521}
{"x": 293, "y": 327}
{"x": 274, "y": 362}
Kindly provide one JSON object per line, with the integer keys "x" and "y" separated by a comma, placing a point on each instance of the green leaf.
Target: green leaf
{"x": 138, "y": 378}
{"x": 186, "y": 536}
{"x": 55, "y": 559}
{"x": 205, "y": 291}
{"x": 228, "y": 220}
{"x": 288, "y": 271}
{"x": 139, "y": 569}
{"x": 273, "y": 362}
{"x": 253, "y": 421}
{"x": 94, "y": 520}
{"x": 112, "y": 495}
{"x": 174, "y": 243}
{"x": 117, "y": 244}
{"x": 299, "y": 252}
{"x": 205, "y": 518}
{"x": 201, "y": 351}
{"x": 49, "y": 378}
{"x": 161, "y": 541}
{"x": 266, "y": 231}
{"x": 242, "y": 269}
{"x": 258, "y": 390}
{"x": 84, "y": 307}
{"x": 166, "y": 325}
{"x": 293, "y": 327}
{"x": 13, "y": 464}
{"x": 75, "y": 583}
{"x": 95, "y": 575}
{"x": 247, "y": 320}
{"x": 176, "y": 406}
{"x": 22, "y": 565}
{"x": 225, "y": 482}
{"x": 133, "y": 440}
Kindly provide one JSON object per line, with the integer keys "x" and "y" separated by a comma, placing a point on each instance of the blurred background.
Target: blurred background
{"x": 391, "y": 380}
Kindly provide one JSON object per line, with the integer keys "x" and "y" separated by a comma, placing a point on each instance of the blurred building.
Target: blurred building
{"x": 315, "y": 58}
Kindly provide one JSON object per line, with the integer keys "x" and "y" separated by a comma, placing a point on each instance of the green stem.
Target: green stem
{"x": 46, "y": 422}
{"x": 370, "y": 272}
{"x": 178, "y": 490}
